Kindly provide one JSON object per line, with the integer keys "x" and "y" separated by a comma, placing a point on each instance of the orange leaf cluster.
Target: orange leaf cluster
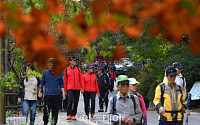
{"x": 119, "y": 52}
{"x": 122, "y": 6}
{"x": 32, "y": 32}
{"x": 73, "y": 40}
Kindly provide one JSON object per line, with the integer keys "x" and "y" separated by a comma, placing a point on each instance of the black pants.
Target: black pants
{"x": 103, "y": 98}
{"x": 63, "y": 103}
{"x": 112, "y": 85}
{"x": 51, "y": 103}
{"x": 73, "y": 97}
{"x": 87, "y": 97}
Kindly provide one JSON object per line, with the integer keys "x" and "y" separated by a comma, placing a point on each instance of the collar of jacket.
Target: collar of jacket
{"x": 170, "y": 84}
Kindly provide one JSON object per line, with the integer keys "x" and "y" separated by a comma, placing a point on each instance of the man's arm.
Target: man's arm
{"x": 138, "y": 113}
{"x": 65, "y": 80}
{"x": 42, "y": 82}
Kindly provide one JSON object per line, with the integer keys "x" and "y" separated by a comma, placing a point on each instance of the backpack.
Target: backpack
{"x": 115, "y": 100}
{"x": 162, "y": 87}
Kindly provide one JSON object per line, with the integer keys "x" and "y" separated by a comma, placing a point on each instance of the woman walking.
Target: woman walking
{"x": 27, "y": 93}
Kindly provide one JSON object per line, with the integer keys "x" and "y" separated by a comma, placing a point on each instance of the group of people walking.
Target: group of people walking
{"x": 127, "y": 107}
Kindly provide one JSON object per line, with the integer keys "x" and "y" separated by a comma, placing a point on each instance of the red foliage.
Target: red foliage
{"x": 119, "y": 52}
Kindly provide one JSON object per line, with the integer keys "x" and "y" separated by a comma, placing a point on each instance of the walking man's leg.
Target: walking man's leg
{"x": 76, "y": 100}
{"x": 92, "y": 97}
{"x": 47, "y": 108}
{"x": 55, "y": 108}
{"x": 70, "y": 100}
{"x": 86, "y": 102}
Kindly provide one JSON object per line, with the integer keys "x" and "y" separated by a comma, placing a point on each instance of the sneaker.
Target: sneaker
{"x": 69, "y": 117}
{"x": 87, "y": 116}
{"x": 92, "y": 115}
{"x": 100, "y": 110}
{"x": 73, "y": 118}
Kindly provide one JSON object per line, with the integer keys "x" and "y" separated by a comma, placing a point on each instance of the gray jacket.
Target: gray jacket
{"x": 124, "y": 107}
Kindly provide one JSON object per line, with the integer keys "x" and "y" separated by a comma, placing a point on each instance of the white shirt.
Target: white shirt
{"x": 30, "y": 88}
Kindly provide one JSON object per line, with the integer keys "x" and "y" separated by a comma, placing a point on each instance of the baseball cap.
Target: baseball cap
{"x": 178, "y": 65}
{"x": 132, "y": 81}
{"x": 100, "y": 69}
{"x": 121, "y": 78}
{"x": 170, "y": 70}
{"x": 72, "y": 58}
{"x": 90, "y": 66}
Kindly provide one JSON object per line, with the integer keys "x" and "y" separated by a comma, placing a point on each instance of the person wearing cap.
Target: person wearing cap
{"x": 73, "y": 83}
{"x": 53, "y": 84}
{"x": 169, "y": 100}
{"x": 133, "y": 90}
{"x": 90, "y": 91}
{"x": 180, "y": 79}
{"x": 103, "y": 84}
{"x": 124, "y": 108}
{"x": 112, "y": 77}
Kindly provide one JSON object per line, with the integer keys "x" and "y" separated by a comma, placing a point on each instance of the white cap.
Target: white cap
{"x": 132, "y": 81}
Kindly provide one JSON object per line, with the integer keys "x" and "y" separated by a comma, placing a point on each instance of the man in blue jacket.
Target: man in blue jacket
{"x": 103, "y": 84}
{"x": 52, "y": 84}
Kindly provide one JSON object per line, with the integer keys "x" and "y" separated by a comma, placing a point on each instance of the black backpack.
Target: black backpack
{"x": 115, "y": 100}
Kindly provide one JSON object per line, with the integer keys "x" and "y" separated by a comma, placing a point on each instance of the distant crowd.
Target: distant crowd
{"x": 62, "y": 92}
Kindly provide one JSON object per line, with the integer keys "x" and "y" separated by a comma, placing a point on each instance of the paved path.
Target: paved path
{"x": 101, "y": 118}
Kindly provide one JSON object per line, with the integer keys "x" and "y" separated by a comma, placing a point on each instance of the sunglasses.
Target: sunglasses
{"x": 125, "y": 84}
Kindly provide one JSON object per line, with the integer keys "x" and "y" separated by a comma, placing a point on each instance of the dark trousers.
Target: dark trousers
{"x": 63, "y": 103}
{"x": 103, "y": 98}
{"x": 87, "y": 97}
{"x": 112, "y": 85}
{"x": 51, "y": 103}
{"x": 170, "y": 123}
{"x": 73, "y": 97}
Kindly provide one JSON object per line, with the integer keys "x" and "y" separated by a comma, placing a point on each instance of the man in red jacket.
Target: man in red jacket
{"x": 73, "y": 83}
{"x": 90, "y": 91}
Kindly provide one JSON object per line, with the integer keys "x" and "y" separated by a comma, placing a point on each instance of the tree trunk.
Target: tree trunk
{"x": 2, "y": 99}
{"x": 7, "y": 52}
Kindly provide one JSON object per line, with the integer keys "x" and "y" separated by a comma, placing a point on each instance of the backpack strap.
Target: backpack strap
{"x": 114, "y": 104}
{"x": 162, "y": 88}
{"x": 66, "y": 74}
{"x": 133, "y": 99}
{"x": 115, "y": 101}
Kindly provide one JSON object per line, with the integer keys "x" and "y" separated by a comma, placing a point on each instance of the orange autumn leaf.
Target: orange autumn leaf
{"x": 122, "y": 6}
{"x": 2, "y": 28}
{"x": 80, "y": 21}
{"x": 56, "y": 6}
{"x": 134, "y": 31}
{"x": 99, "y": 7}
{"x": 119, "y": 52}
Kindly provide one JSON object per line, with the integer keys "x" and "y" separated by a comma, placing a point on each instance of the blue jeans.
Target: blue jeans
{"x": 170, "y": 123}
{"x": 29, "y": 105}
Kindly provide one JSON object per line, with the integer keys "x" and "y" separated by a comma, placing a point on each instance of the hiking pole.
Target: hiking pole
{"x": 188, "y": 101}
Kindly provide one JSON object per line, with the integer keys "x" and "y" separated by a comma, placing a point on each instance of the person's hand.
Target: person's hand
{"x": 40, "y": 94}
{"x": 98, "y": 94}
{"x": 130, "y": 121}
{"x": 82, "y": 91}
{"x": 66, "y": 93}
{"x": 19, "y": 100}
{"x": 64, "y": 96}
{"x": 188, "y": 112}
{"x": 162, "y": 110}
{"x": 125, "y": 119}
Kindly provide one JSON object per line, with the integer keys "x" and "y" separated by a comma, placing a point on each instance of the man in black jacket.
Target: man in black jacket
{"x": 103, "y": 84}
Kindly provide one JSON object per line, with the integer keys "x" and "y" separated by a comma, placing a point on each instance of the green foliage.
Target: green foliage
{"x": 152, "y": 56}
{"x": 8, "y": 80}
